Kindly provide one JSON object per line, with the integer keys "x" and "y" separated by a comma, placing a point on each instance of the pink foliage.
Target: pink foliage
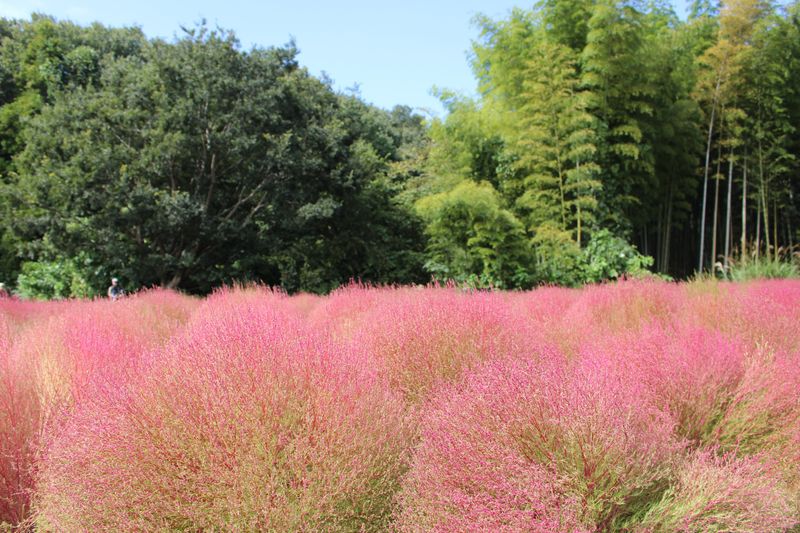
{"x": 19, "y": 431}
{"x": 635, "y": 406}
{"x": 420, "y": 338}
{"x": 59, "y": 354}
{"x": 770, "y": 314}
{"x": 764, "y": 411}
{"x": 343, "y": 310}
{"x": 624, "y": 306}
{"x": 536, "y": 445}
{"x": 688, "y": 372}
{"x": 247, "y": 422}
{"x": 716, "y": 492}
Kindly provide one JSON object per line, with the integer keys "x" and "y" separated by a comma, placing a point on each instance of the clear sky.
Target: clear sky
{"x": 394, "y": 51}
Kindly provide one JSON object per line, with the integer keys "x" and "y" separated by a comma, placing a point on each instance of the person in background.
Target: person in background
{"x": 3, "y": 291}
{"x": 115, "y": 291}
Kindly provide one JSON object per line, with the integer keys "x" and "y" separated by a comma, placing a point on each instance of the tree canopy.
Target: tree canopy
{"x": 607, "y": 137}
{"x": 194, "y": 163}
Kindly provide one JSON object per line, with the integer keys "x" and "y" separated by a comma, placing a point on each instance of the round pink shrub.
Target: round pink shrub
{"x": 763, "y": 415}
{"x": 305, "y": 303}
{"x": 19, "y": 431}
{"x": 21, "y": 405}
{"x": 623, "y": 306}
{"x": 246, "y": 422}
{"x": 5, "y": 334}
{"x": 764, "y": 409}
{"x": 98, "y": 344}
{"x": 770, "y": 314}
{"x": 59, "y": 354}
{"x": 537, "y": 445}
{"x": 18, "y": 312}
{"x": 545, "y": 310}
{"x": 343, "y": 310}
{"x": 420, "y": 338}
{"x": 716, "y": 492}
{"x": 762, "y": 313}
{"x": 690, "y": 373}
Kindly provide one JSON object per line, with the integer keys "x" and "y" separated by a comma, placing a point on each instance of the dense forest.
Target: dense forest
{"x": 608, "y": 138}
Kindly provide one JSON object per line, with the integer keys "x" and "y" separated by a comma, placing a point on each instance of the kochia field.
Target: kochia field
{"x": 636, "y": 406}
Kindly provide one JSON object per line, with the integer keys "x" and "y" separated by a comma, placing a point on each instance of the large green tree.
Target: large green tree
{"x": 40, "y": 59}
{"x": 194, "y": 163}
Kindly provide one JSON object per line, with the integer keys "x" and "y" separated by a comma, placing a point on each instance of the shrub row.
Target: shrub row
{"x": 638, "y": 406}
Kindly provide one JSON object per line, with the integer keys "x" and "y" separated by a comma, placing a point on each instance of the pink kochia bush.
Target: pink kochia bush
{"x": 629, "y": 419}
{"x": 718, "y": 492}
{"x": 690, "y": 373}
{"x": 420, "y": 338}
{"x": 634, "y": 406}
{"x": 52, "y": 355}
{"x": 19, "y": 430}
{"x": 537, "y": 445}
{"x": 247, "y": 422}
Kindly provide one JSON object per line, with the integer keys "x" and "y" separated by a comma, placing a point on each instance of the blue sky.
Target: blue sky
{"x": 394, "y": 51}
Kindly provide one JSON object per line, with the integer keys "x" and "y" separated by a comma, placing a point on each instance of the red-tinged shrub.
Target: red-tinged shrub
{"x": 22, "y": 314}
{"x": 545, "y": 309}
{"x": 623, "y": 306}
{"x": 19, "y": 432}
{"x": 59, "y": 354}
{"x": 763, "y": 415}
{"x": 98, "y": 343}
{"x": 343, "y": 310}
{"x": 525, "y": 445}
{"x": 762, "y": 313}
{"x": 18, "y": 310}
{"x": 544, "y": 305}
{"x": 305, "y": 303}
{"x": 788, "y": 460}
{"x": 22, "y": 408}
{"x": 470, "y": 472}
{"x": 770, "y": 314}
{"x": 690, "y": 373}
{"x": 721, "y": 493}
{"x": 421, "y": 338}
{"x": 247, "y": 422}
{"x": 5, "y": 335}
{"x": 765, "y": 408}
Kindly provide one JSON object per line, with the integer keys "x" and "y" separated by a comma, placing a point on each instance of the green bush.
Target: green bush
{"x": 763, "y": 268}
{"x": 473, "y": 239}
{"x": 46, "y": 280}
{"x": 608, "y": 257}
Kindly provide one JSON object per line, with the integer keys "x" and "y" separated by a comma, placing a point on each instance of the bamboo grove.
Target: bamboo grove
{"x": 679, "y": 136}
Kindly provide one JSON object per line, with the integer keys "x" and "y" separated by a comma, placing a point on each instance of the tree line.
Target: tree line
{"x": 607, "y": 138}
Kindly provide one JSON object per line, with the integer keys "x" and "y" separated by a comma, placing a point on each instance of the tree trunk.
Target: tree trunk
{"x": 175, "y": 281}
{"x": 744, "y": 211}
{"x": 758, "y": 229}
{"x": 764, "y": 206}
{"x": 705, "y": 180}
{"x": 667, "y": 231}
{"x": 660, "y": 235}
{"x": 765, "y": 213}
{"x": 716, "y": 210}
{"x": 728, "y": 213}
{"x": 644, "y": 240}
{"x": 775, "y": 227}
{"x": 714, "y": 225}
